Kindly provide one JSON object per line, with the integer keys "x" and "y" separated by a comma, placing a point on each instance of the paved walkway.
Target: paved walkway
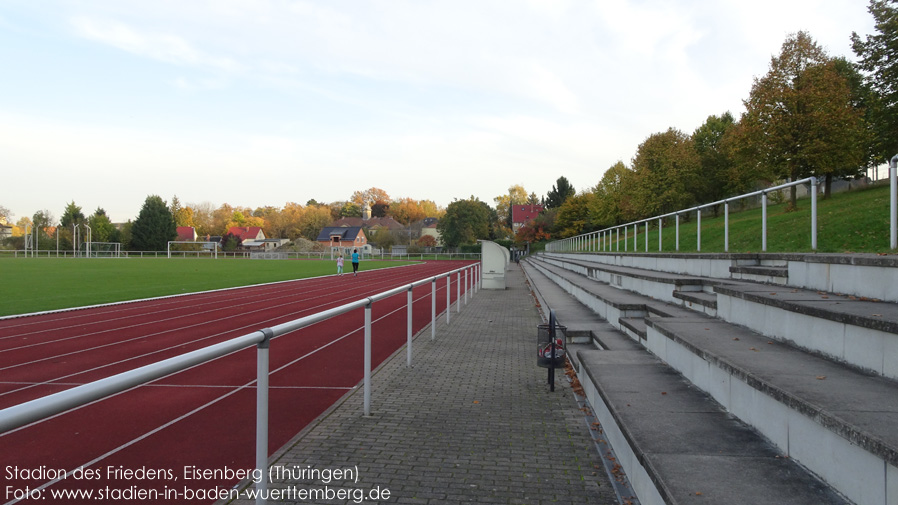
{"x": 472, "y": 421}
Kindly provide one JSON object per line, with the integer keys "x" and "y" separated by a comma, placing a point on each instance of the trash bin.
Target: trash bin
{"x": 544, "y": 346}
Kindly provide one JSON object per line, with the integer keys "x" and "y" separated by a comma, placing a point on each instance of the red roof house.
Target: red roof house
{"x": 187, "y": 233}
{"x": 250, "y": 236}
{"x": 523, "y": 214}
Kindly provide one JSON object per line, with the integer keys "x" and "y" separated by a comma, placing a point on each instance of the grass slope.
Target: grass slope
{"x": 38, "y": 284}
{"x": 853, "y": 221}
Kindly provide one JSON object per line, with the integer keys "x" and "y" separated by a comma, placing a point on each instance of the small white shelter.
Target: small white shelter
{"x": 495, "y": 260}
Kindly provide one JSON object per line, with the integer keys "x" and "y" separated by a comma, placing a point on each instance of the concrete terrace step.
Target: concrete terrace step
{"x": 678, "y": 446}
{"x": 849, "y": 328}
{"x": 581, "y": 323}
{"x": 854, "y": 330}
{"x": 785, "y": 392}
{"x": 834, "y": 419}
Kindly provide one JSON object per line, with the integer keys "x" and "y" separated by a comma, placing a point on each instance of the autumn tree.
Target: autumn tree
{"x": 154, "y": 226}
{"x": 406, "y": 211}
{"x": 516, "y": 195}
{"x": 561, "y": 191}
{"x": 665, "y": 174}
{"x": 370, "y": 197}
{"x": 612, "y": 204}
{"x": 878, "y": 59}
{"x": 312, "y": 220}
{"x": 573, "y": 216}
{"x": 799, "y": 120}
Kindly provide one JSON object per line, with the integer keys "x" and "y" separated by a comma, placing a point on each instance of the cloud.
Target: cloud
{"x": 160, "y": 46}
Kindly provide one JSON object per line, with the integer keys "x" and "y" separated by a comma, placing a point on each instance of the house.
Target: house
{"x": 5, "y": 229}
{"x": 370, "y": 223}
{"x": 187, "y": 234}
{"x": 343, "y": 236}
{"x": 251, "y": 237}
{"x": 523, "y": 214}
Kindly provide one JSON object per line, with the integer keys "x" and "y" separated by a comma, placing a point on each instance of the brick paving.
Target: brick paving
{"x": 472, "y": 421}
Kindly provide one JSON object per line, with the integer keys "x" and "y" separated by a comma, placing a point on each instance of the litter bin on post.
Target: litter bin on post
{"x": 550, "y": 350}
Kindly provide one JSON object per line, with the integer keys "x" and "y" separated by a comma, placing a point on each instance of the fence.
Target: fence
{"x": 605, "y": 240}
{"x": 36, "y": 410}
{"x": 53, "y": 253}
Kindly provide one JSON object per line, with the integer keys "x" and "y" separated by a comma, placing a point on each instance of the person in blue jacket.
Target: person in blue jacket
{"x": 355, "y": 262}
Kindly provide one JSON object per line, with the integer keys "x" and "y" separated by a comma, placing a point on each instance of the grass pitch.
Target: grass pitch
{"x": 38, "y": 284}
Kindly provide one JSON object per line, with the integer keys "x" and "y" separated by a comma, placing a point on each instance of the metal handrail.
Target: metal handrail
{"x": 601, "y": 240}
{"x": 17, "y": 416}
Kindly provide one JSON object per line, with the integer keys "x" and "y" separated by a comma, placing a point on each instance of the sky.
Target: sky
{"x": 263, "y": 102}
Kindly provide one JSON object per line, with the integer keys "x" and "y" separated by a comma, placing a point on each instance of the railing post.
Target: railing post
{"x": 635, "y": 237}
{"x": 698, "y": 224}
{"x": 764, "y": 221}
{"x": 726, "y": 226}
{"x": 814, "y": 213}
{"x": 448, "y": 297}
{"x": 660, "y": 227}
{"x": 433, "y": 309}
{"x": 466, "y": 286}
{"x": 893, "y": 202}
{"x": 262, "y": 360}
{"x": 458, "y": 292}
{"x": 367, "y": 385}
{"x": 646, "y": 236}
{"x": 678, "y": 232}
{"x": 409, "y": 339}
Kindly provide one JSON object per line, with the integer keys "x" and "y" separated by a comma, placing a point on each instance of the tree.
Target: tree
{"x": 370, "y": 197}
{"x": 380, "y": 208}
{"x": 573, "y": 216}
{"x": 561, "y": 191}
{"x": 715, "y": 161}
{"x": 102, "y": 229}
{"x": 799, "y": 120}
{"x": 516, "y": 195}
{"x": 465, "y": 222}
{"x": 154, "y": 226}
{"x": 312, "y": 221}
{"x": 71, "y": 215}
{"x": 406, "y": 211}
{"x": 665, "y": 174}
{"x": 878, "y": 59}
{"x": 42, "y": 220}
{"x": 350, "y": 209}
{"x": 612, "y": 204}
{"x": 5, "y": 215}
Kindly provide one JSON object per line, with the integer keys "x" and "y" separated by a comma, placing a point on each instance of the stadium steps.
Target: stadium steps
{"x": 821, "y": 416}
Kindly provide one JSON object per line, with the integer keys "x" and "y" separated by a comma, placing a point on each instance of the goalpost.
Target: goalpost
{"x": 213, "y": 250}
{"x": 102, "y": 249}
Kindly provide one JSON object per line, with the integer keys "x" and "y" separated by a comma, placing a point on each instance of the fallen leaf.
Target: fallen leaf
{"x": 752, "y": 349}
{"x": 475, "y": 401}
{"x": 821, "y": 377}
{"x": 663, "y": 392}
{"x": 736, "y": 338}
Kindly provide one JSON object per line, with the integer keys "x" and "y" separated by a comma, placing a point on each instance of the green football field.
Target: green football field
{"x": 38, "y": 284}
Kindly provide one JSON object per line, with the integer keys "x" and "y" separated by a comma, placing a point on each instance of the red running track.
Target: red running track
{"x": 204, "y": 416}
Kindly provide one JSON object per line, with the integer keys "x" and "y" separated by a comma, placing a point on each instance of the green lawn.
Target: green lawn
{"x": 37, "y": 284}
{"x": 853, "y": 221}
